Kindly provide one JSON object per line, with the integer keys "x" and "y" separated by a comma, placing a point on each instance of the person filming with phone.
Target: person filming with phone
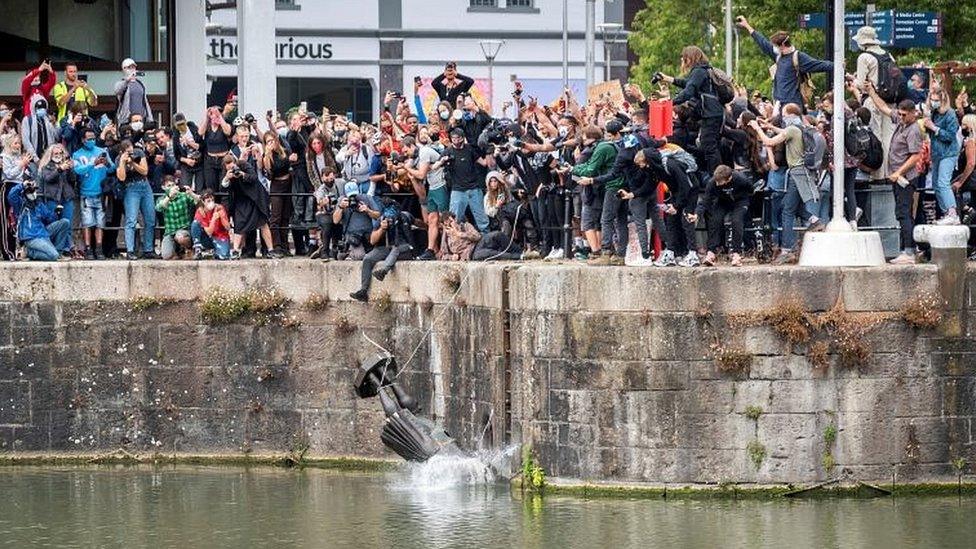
{"x": 132, "y": 95}
{"x": 73, "y": 90}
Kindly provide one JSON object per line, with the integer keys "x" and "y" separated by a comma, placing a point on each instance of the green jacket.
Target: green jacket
{"x": 600, "y": 162}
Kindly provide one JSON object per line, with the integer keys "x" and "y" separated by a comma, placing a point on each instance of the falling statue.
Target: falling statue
{"x": 414, "y": 438}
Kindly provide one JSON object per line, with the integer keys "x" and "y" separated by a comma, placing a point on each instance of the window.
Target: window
{"x": 483, "y": 4}
{"x": 287, "y": 5}
{"x": 495, "y": 6}
{"x": 524, "y": 4}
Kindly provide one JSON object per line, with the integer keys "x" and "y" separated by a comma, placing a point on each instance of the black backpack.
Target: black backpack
{"x": 809, "y": 148}
{"x": 862, "y": 144}
{"x": 721, "y": 85}
{"x": 892, "y": 86}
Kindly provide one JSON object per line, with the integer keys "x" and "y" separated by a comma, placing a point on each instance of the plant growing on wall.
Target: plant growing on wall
{"x": 533, "y": 475}
{"x": 757, "y": 452}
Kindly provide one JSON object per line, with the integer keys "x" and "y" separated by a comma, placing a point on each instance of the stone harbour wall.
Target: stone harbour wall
{"x": 607, "y": 373}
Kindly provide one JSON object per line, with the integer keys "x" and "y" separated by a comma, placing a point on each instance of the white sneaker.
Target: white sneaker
{"x": 690, "y": 260}
{"x": 853, "y": 224}
{"x": 666, "y": 259}
{"x": 642, "y": 262}
{"x": 556, "y": 253}
{"x": 951, "y": 219}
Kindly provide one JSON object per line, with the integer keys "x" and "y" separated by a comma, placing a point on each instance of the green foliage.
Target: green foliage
{"x": 662, "y": 28}
{"x": 753, "y": 412}
{"x": 757, "y": 452}
{"x": 959, "y": 464}
{"x": 533, "y": 475}
{"x": 146, "y": 302}
{"x": 830, "y": 435}
{"x": 222, "y": 306}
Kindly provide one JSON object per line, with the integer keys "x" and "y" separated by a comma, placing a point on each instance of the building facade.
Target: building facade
{"x": 346, "y": 54}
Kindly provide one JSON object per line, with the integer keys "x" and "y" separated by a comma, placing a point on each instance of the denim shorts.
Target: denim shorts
{"x": 92, "y": 212}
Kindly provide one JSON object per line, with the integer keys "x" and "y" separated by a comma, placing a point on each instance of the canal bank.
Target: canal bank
{"x": 759, "y": 376}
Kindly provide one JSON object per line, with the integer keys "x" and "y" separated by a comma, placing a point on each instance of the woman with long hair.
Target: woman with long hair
{"x": 699, "y": 90}
{"x": 216, "y": 133}
{"x": 58, "y": 182}
{"x": 248, "y": 204}
{"x": 17, "y": 166}
{"x": 277, "y": 168}
{"x": 496, "y": 196}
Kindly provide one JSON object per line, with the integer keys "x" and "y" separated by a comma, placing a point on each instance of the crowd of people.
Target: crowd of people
{"x": 573, "y": 179}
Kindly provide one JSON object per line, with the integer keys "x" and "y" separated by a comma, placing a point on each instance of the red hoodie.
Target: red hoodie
{"x": 29, "y": 93}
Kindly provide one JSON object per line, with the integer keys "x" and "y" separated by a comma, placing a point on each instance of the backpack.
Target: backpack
{"x": 862, "y": 144}
{"x": 892, "y": 86}
{"x": 810, "y": 148}
{"x": 807, "y": 86}
{"x": 721, "y": 85}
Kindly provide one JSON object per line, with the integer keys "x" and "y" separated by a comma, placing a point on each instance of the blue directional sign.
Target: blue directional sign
{"x": 895, "y": 28}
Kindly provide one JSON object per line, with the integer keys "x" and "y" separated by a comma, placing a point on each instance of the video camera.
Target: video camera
{"x": 657, "y": 77}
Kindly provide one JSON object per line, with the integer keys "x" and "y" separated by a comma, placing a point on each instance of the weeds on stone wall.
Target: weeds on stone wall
{"x": 829, "y": 440}
{"x": 383, "y": 302}
{"x": 730, "y": 358}
{"x": 754, "y": 412}
{"x": 344, "y": 327}
{"x": 222, "y": 306}
{"x": 533, "y": 475}
{"x": 452, "y": 281}
{"x": 316, "y": 302}
{"x": 818, "y": 353}
{"x": 924, "y": 311}
{"x": 757, "y": 452}
{"x": 145, "y": 302}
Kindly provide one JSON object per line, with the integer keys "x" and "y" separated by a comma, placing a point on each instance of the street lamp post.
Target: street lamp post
{"x": 490, "y": 49}
{"x": 608, "y": 33}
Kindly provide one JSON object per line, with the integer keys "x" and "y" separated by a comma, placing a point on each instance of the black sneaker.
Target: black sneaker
{"x": 131, "y": 256}
{"x": 428, "y": 255}
{"x": 89, "y": 254}
{"x": 150, "y": 255}
{"x": 380, "y": 274}
{"x": 360, "y": 295}
{"x": 99, "y": 256}
{"x": 197, "y": 253}
{"x": 274, "y": 254}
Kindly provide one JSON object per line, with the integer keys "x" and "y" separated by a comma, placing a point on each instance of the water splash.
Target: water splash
{"x": 449, "y": 470}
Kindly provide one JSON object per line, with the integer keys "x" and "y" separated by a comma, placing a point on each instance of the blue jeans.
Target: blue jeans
{"x": 200, "y": 237}
{"x": 793, "y": 207}
{"x": 49, "y": 249}
{"x": 66, "y": 213}
{"x": 474, "y": 200}
{"x": 138, "y": 198}
{"x": 942, "y": 182}
{"x": 776, "y": 216}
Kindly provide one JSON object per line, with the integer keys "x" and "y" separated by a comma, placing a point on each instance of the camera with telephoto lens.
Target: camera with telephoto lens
{"x": 353, "y": 202}
{"x": 657, "y": 77}
{"x": 520, "y": 194}
{"x": 249, "y": 118}
{"x": 29, "y": 186}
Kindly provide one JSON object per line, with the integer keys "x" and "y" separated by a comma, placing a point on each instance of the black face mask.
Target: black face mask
{"x": 965, "y": 132}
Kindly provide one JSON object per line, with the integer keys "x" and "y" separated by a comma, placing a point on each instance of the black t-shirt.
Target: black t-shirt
{"x": 131, "y": 175}
{"x": 462, "y": 173}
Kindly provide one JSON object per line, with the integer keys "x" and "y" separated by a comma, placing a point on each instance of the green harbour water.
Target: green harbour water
{"x": 216, "y": 507}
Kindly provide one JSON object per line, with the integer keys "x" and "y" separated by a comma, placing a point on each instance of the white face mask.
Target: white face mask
{"x": 136, "y": 126}
{"x": 31, "y": 196}
{"x": 563, "y": 131}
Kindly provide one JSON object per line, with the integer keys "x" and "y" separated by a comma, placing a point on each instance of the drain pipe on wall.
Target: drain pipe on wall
{"x": 948, "y": 245}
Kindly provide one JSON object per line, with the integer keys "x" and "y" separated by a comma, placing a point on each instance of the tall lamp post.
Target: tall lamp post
{"x": 490, "y": 49}
{"x": 608, "y": 33}
{"x": 840, "y": 245}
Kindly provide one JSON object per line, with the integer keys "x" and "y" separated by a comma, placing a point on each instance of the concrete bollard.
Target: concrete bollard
{"x": 948, "y": 245}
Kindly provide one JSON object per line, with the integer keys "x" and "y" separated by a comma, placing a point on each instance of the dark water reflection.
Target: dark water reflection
{"x": 190, "y": 507}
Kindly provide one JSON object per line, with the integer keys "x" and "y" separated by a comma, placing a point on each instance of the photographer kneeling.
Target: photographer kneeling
{"x": 355, "y": 214}
{"x": 392, "y": 242}
{"x": 43, "y": 235}
{"x": 178, "y": 204}
{"x": 728, "y": 193}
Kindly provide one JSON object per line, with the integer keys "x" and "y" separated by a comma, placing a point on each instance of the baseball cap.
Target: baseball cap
{"x": 614, "y": 126}
{"x": 128, "y": 62}
{"x": 451, "y": 65}
{"x": 351, "y": 188}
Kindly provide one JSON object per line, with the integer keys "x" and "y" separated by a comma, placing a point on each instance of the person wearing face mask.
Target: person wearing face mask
{"x": 216, "y": 135}
{"x": 37, "y": 84}
{"x": 473, "y": 120}
{"x": 39, "y": 231}
{"x": 57, "y": 181}
{"x": 37, "y": 130}
{"x": 92, "y": 165}
{"x": 210, "y": 228}
{"x": 177, "y": 205}
{"x": 355, "y": 158}
{"x": 132, "y": 95}
{"x": 442, "y": 119}
{"x": 942, "y": 126}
